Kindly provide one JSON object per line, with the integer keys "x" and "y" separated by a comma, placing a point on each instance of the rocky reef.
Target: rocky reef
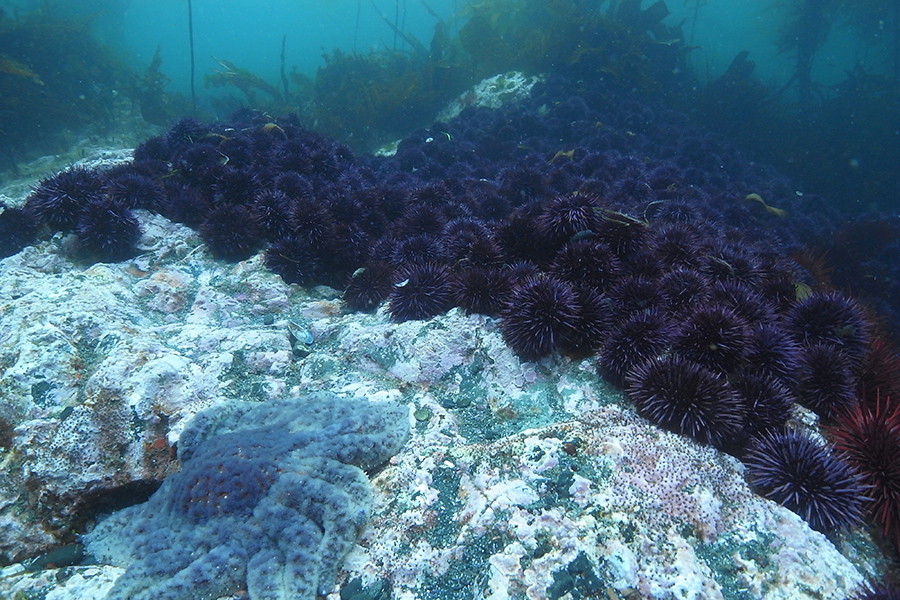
{"x": 533, "y": 279}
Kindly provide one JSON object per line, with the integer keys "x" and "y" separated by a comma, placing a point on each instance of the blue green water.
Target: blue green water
{"x": 249, "y": 33}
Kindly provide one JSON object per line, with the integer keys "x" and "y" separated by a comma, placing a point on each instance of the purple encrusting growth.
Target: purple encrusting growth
{"x": 269, "y": 500}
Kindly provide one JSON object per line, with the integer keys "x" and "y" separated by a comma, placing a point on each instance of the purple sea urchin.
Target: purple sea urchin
{"x": 423, "y": 291}
{"x": 744, "y": 301}
{"x": 481, "y": 290}
{"x": 587, "y": 262}
{"x": 58, "y": 200}
{"x": 132, "y": 190}
{"x": 622, "y": 233}
{"x": 185, "y": 204}
{"x": 17, "y": 230}
{"x": 185, "y": 132}
{"x": 641, "y": 337}
{"x": 683, "y": 289}
{"x": 834, "y": 319}
{"x": 677, "y": 245}
{"x": 877, "y": 591}
{"x": 199, "y": 164}
{"x": 806, "y": 477}
{"x": 771, "y": 350}
{"x": 594, "y": 322}
{"x": 107, "y": 231}
{"x": 768, "y": 400}
{"x": 689, "y": 399}
{"x": 635, "y": 295}
{"x": 418, "y": 249}
{"x": 520, "y": 240}
{"x": 152, "y": 150}
{"x": 564, "y": 216}
{"x": 369, "y": 286}
{"x": 825, "y": 381}
{"x": 293, "y": 259}
{"x": 231, "y": 232}
{"x": 726, "y": 263}
{"x": 312, "y": 222}
{"x": 273, "y": 211}
{"x": 541, "y": 314}
{"x": 713, "y": 336}
{"x": 459, "y": 235}
{"x": 235, "y": 186}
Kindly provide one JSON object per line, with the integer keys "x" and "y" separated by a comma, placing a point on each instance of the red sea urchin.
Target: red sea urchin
{"x": 687, "y": 398}
{"x": 541, "y": 314}
{"x": 806, "y": 477}
{"x": 879, "y": 374}
{"x": 870, "y": 439}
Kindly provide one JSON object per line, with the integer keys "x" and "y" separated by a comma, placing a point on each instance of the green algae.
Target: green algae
{"x": 721, "y": 556}
{"x": 579, "y": 580}
{"x": 467, "y": 577}
{"x": 446, "y": 481}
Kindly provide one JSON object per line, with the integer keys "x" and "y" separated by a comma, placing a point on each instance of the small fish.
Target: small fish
{"x": 581, "y": 235}
{"x": 298, "y": 333}
{"x": 621, "y": 218}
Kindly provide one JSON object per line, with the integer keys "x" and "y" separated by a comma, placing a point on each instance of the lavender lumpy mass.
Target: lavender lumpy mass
{"x": 270, "y": 498}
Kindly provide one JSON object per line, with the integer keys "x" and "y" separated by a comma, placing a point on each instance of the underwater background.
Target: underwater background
{"x": 573, "y": 242}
